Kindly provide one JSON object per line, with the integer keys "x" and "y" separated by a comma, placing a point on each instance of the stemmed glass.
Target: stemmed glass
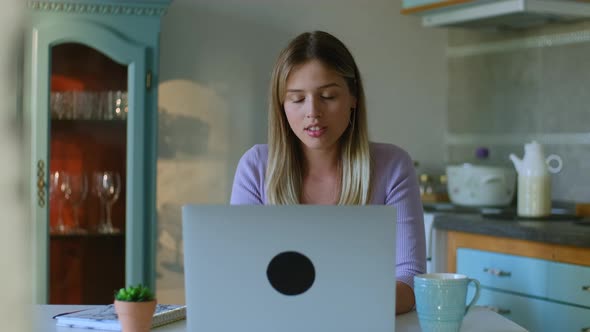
{"x": 107, "y": 186}
{"x": 75, "y": 187}
{"x": 56, "y": 191}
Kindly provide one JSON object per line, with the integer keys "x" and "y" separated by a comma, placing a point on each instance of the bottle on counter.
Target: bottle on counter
{"x": 534, "y": 180}
{"x": 426, "y": 186}
{"x": 441, "y": 188}
{"x": 433, "y": 191}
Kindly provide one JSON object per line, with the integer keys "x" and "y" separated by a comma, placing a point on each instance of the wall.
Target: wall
{"x": 507, "y": 88}
{"x": 216, "y": 58}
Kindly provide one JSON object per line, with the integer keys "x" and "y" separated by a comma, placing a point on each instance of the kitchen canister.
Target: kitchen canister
{"x": 534, "y": 180}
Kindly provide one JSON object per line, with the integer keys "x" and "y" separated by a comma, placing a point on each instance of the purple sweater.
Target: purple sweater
{"x": 394, "y": 183}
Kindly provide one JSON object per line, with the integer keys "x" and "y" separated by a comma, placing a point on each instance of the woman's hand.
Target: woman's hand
{"x": 404, "y": 298}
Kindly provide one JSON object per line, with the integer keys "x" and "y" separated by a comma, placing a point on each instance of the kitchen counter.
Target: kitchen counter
{"x": 563, "y": 232}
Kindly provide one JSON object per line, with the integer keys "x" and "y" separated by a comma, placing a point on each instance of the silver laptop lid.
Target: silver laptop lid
{"x": 289, "y": 268}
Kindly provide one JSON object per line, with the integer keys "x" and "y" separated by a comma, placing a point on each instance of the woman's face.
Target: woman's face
{"x": 318, "y": 104}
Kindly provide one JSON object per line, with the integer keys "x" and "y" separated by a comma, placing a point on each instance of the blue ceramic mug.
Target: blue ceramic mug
{"x": 441, "y": 299}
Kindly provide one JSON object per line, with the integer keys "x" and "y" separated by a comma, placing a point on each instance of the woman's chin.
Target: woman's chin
{"x": 319, "y": 144}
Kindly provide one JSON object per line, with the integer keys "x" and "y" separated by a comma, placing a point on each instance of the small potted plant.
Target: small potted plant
{"x": 135, "y": 306}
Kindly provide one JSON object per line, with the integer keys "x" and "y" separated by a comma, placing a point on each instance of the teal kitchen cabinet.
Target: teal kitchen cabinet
{"x": 536, "y": 314}
{"x": 90, "y": 124}
{"x": 537, "y": 294}
{"x": 507, "y": 272}
{"x": 569, "y": 283}
{"x": 418, "y": 3}
{"x": 417, "y": 6}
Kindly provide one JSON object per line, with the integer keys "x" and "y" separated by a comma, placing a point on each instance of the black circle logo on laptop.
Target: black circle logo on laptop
{"x": 291, "y": 273}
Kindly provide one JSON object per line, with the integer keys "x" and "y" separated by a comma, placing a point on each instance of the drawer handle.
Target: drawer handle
{"x": 586, "y": 289}
{"x": 497, "y": 273}
{"x": 501, "y": 311}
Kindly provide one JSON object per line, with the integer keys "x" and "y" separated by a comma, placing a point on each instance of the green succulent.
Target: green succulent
{"x": 137, "y": 293}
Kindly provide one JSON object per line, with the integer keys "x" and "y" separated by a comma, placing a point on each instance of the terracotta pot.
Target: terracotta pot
{"x": 135, "y": 316}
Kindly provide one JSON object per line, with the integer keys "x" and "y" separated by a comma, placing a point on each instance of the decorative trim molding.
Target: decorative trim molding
{"x": 102, "y": 9}
{"x": 582, "y": 36}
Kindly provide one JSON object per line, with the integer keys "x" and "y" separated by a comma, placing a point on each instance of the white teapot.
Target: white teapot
{"x": 534, "y": 181}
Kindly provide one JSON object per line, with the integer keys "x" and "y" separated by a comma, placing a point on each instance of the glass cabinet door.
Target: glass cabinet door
{"x": 88, "y": 111}
{"x": 90, "y": 123}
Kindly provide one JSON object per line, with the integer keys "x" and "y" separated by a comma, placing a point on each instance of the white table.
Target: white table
{"x": 478, "y": 319}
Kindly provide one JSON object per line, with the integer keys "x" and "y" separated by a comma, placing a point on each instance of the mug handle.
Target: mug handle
{"x": 476, "y": 296}
{"x": 551, "y": 168}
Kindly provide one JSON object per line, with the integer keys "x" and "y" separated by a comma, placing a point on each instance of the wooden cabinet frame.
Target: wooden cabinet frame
{"x": 551, "y": 252}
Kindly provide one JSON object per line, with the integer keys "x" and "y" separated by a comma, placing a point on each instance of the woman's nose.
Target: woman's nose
{"x": 313, "y": 109}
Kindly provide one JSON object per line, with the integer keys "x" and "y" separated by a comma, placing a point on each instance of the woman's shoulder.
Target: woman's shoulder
{"x": 257, "y": 153}
{"x": 388, "y": 152}
{"x": 391, "y": 166}
{"x": 390, "y": 159}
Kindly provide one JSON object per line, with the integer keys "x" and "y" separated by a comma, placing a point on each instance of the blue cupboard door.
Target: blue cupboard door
{"x": 136, "y": 222}
{"x": 536, "y": 314}
{"x": 569, "y": 283}
{"x": 506, "y": 272}
{"x": 562, "y": 317}
{"x": 522, "y": 310}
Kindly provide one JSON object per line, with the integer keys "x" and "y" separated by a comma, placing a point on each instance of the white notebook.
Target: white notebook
{"x": 105, "y": 318}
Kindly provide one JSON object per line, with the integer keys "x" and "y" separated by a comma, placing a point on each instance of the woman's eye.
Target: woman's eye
{"x": 296, "y": 99}
{"x": 327, "y": 97}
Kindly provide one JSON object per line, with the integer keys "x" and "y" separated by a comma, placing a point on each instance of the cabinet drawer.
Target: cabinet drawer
{"x": 506, "y": 272}
{"x": 569, "y": 283}
{"x": 534, "y": 314}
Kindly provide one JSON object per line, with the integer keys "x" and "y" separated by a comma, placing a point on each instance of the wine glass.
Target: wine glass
{"x": 75, "y": 190}
{"x": 56, "y": 191}
{"x": 107, "y": 185}
{"x": 61, "y": 104}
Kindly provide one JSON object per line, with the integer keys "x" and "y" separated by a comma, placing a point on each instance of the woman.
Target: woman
{"x": 318, "y": 150}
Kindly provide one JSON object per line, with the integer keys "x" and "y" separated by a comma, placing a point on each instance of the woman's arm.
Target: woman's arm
{"x": 248, "y": 183}
{"x": 404, "y": 194}
{"x": 404, "y": 298}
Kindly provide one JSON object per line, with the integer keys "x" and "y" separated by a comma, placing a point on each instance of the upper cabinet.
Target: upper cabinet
{"x": 90, "y": 122}
{"x": 495, "y": 14}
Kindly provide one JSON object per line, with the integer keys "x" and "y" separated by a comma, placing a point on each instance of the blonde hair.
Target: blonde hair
{"x": 284, "y": 172}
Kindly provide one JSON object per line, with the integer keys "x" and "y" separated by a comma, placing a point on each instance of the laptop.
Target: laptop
{"x": 289, "y": 268}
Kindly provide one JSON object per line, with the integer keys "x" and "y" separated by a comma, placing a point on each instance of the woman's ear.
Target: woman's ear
{"x": 353, "y": 102}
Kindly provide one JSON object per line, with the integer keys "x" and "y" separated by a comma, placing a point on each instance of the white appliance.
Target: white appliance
{"x": 436, "y": 246}
{"x": 505, "y": 13}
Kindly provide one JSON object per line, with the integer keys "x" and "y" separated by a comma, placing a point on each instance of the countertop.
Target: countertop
{"x": 562, "y": 232}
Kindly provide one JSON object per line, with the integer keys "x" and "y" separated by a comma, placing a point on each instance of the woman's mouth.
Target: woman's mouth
{"x": 315, "y": 131}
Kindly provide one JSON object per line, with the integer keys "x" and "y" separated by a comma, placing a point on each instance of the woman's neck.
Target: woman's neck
{"x": 320, "y": 163}
{"x": 321, "y": 177}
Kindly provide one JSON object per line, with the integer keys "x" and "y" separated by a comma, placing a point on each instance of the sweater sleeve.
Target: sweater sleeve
{"x": 248, "y": 183}
{"x": 403, "y": 193}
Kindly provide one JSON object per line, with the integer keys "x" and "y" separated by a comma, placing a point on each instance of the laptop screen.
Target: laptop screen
{"x": 289, "y": 268}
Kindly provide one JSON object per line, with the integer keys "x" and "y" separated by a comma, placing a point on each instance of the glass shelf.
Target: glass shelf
{"x": 89, "y": 234}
